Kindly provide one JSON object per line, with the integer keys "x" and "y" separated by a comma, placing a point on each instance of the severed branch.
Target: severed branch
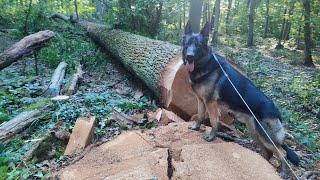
{"x": 115, "y": 115}
{"x": 60, "y": 16}
{"x": 25, "y": 47}
{"x": 10, "y": 128}
{"x": 56, "y": 80}
{"x": 76, "y": 77}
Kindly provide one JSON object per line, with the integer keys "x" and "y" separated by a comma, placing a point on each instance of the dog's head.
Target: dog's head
{"x": 194, "y": 46}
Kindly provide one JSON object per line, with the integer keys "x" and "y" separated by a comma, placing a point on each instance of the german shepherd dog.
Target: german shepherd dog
{"x": 215, "y": 92}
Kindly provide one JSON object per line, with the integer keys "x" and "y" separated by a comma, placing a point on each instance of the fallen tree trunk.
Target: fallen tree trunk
{"x": 25, "y": 47}
{"x": 10, "y": 128}
{"x": 60, "y": 16}
{"x": 157, "y": 63}
{"x": 56, "y": 80}
{"x": 75, "y": 79}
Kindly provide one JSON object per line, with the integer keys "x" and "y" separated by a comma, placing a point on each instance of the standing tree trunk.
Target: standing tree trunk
{"x": 287, "y": 25}
{"x": 76, "y": 10}
{"x": 156, "y": 22}
{"x": 212, "y": 18}
{"x": 251, "y": 22}
{"x": 279, "y": 45}
{"x": 299, "y": 46}
{"x": 27, "y": 18}
{"x": 179, "y": 16}
{"x": 228, "y": 17}
{"x": 98, "y": 5}
{"x": 204, "y": 13}
{"x": 184, "y": 14}
{"x": 266, "y": 25}
{"x": 216, "y": 21}
{"x": 105, "y": 6}
{"x": 307, "y": 34}
{"x": 195, "y": 14}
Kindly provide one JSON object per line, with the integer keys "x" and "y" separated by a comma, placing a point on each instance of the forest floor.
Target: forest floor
{"x": 107, "y": 85}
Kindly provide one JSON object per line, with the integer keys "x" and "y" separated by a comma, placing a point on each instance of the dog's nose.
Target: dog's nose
{"x": 189, "y": 56}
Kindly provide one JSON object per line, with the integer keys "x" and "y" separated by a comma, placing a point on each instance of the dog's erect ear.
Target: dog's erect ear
{"x": 187, "y": 29}
{"x": 205, "y": 31}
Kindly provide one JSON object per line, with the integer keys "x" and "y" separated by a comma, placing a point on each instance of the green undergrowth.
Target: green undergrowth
{"x": 13, "y": 152}
{"x": 23, "y": 90}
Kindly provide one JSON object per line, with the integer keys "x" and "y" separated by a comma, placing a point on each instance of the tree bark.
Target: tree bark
{"x": 179, "y": 16}
{"x": 76, "y": 9}
{"x": 307, "y": 34}
{"x": 228, "y": 17}
{"x": 27, "y": 18}
{"x": 25, "y": 47}
{"x": 158, "y": 64}
{"x": 266, "y": 25}
{"x": 251, "y": 22}
{"x": 204, "y": 13}
{"x": 216, "y": 22}
{"x": 195, "y": 14}
{"x": 287, "y": 25}
{"x": 184, "y": 14}
{"x": 60, "y": 16}
{"x": 10, "y": 128}
{"x": 56, "y": 80}
{"x": 78, "y": 75}
{"x": 98, "y": 5}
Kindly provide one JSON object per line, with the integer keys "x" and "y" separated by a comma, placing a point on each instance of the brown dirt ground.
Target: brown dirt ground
{"x": 168, "y": 152}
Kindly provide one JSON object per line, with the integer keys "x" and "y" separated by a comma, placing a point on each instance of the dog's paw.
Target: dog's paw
{"x": 284, "y": 175}
{"x": 208, "y": 137}
{"x": 194, "y": 127}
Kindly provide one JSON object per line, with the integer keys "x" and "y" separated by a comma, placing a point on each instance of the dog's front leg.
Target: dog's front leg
{"x": 200, "y": 116}
{"x": 213, "y": 111}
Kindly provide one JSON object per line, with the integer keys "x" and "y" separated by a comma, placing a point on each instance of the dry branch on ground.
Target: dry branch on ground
{"x": 27, "y": 46}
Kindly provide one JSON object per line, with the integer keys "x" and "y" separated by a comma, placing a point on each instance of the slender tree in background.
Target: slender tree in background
{"x": 27, "y": 18}
{"x": 287, "y": 25}
{"x": 98, "y": 5}
{"x": 154, "y": 29}
{"x": 279, "y": 45}
{"x": 307, "y": 34}
{"x": 251, "y": 22}
{"x": 179, "y": 16}
{"x": 228, "y": 16}
{"x": 195, "y": 14}
{"x": 204, "y": 13}
{"x": 212, "y": 19}
{"x": 76, "y": 9}
{"x": 216, "y": 21}
{"x": 267, "y": 18}
{"x": 184, "y": 14}
{"x": 105, "y": 6}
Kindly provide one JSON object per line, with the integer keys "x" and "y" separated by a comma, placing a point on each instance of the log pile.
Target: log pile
{"x": 25, "y": 47}
{"x": 157, "y": 63}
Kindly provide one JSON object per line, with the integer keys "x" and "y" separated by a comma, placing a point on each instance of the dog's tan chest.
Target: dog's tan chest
{"x": 207, "y": 90}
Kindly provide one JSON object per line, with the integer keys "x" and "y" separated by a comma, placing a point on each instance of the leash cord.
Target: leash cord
{"x": 227, "y": 76}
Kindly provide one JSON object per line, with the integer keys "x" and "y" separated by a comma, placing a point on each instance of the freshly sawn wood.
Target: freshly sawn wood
{"x": 157, "y": 63}
{"x": 25, "y": 47}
